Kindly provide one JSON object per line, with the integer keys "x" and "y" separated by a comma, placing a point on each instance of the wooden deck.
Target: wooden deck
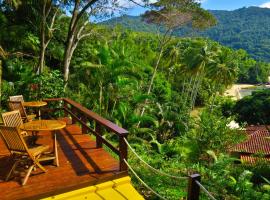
{"x": 81, "y": 164}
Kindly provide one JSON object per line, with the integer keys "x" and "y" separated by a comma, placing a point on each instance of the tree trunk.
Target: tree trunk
{"x": 67, "y": 59}
{"x": 74, "y": 34}
{"x": 42, "y": 38}
{"x": 44, "y": 41}
{"x": 68, "y": 55}
{"x": 114, "y": 104}
{"x": 152, "y": 78}
{"x": 151, "y": 82}
{"x": 214, "y": 97}
{"x": 70, "y": 41}
{"x": 41, "y": 59}
{"x": 165, "y": 39}
{"x": 193, "y": 100}
{"x": 100, "y": 97}
{"x": 187, "y": 92}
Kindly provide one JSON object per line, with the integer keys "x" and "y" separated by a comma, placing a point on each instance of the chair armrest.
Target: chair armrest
{"x": 24, "y": 133}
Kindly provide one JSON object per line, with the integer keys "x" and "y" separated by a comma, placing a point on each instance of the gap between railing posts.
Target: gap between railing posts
{"x": 65, "y": 106}
{"x": 193, "y": 187}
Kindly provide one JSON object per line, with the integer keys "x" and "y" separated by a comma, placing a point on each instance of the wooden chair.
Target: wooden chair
{"x": 17, "y": 105}
{"x": 16, "y": 98}
{"x": 13, "y": 119}
{"x": 24, "y": 157}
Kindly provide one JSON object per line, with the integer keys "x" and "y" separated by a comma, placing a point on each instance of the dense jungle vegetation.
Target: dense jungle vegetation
{"x": 245, "y": 28}
{"x": 143, "y": 85}
{"x": 253, "y": 109}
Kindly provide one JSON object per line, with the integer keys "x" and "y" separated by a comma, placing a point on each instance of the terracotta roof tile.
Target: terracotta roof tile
{"x": 253, "y": 160}
{"x": 258, "y": 142}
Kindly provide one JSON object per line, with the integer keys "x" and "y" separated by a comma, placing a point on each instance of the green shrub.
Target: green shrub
{"x": 254, "y": 109}
{"x": 47, "y": 85}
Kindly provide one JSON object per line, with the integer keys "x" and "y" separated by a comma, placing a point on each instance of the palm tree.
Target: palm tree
{"x": 223, "y": 72}
{"x": 197, "y": 58}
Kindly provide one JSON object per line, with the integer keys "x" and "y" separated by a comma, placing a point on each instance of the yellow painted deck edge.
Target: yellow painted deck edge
{"x": 109, "y": 190}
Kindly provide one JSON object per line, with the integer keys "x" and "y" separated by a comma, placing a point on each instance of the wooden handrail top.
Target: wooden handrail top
{"x": 115, "y": 150}
{"x": 111, "y": 126}
{"x": 94, "y": 116}
{"x": 52, "y": 99}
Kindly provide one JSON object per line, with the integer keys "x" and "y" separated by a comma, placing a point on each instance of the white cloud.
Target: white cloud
{"x": 265, "y": 5}
{"x": 201, "y": 1}
{"x": 130, "y": 4}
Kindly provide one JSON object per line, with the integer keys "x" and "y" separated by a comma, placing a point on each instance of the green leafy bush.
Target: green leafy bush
{"x": 47, "y": 85}
{"x": 254, "y": 109}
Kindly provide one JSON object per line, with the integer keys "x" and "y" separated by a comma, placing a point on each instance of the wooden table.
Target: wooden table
{"x": 35, "y": 104}
{"x": 46, "y": 125}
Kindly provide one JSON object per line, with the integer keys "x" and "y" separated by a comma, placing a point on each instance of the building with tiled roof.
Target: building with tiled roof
{"x": 256, "y": 147}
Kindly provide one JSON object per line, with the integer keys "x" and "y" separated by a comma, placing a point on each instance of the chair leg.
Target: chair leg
{"x": 12, "y": 169}
{"x": 40, "y": 166}
{"x": 31, "y": 168}
{"x": 28, "y": 174}
{"x": 37, "y": 163}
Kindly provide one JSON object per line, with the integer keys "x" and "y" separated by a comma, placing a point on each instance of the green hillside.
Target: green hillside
{"x": 245, "y": 28}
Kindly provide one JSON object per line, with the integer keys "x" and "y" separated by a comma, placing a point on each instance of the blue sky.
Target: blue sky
{"x": 231, "y": 4}
{"x": 217, "y": 5}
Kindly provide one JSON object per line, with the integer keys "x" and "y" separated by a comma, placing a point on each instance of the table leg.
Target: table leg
{"x": 56, "y": 161}
{"x": 34, "y": 137}
{"x": 39, "y": 113}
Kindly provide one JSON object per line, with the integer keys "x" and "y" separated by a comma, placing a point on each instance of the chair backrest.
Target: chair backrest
{"x": 12, "y": 118}
{"x": 17, "y": 105}
{"x": 16, "y": 98}
{"x": 13, "y": 139}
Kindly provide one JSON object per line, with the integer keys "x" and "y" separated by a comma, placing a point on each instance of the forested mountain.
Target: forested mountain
{"x": 245, "y": 28}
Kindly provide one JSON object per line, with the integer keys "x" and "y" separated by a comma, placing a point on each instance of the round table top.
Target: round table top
{"x": 34, "y": 103}
{"x": 43, "y": 125}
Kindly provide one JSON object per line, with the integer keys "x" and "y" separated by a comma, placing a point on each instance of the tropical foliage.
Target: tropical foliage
{"x": 254, "y": 109}
{"x": 110, "y": 73}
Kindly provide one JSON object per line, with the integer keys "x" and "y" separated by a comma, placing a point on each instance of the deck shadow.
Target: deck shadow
{"x": 83, "y": 152}
{"x": 76, "y": 163}
{"x": 5, "y": 165}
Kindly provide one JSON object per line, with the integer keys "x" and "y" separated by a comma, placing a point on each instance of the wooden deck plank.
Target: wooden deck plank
{"x": 81, "y": 164}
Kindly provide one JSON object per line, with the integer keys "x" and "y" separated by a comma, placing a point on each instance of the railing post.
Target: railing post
{"x": 193, "y": 187}
{"x": 123, "y": 152}
{"x": 99, "y": 132}
{"x": 73, "y": 110}
{"x": 84, "y": 129}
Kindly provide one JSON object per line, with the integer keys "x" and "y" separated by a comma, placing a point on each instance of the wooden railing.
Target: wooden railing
{"x": 83, "y": 115}
{"x": 193, "y": 188}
